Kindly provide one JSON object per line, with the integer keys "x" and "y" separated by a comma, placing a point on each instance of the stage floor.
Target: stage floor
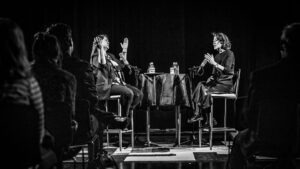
{"x": 165, "y": 155}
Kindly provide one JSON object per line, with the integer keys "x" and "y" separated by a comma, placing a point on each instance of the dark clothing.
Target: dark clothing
{"x": 221, "y": 83}
{"x": 272, "y": 114}
{"x": 117, "y": 71}
{"x": 86, "y": 99}
{"x": 223, "y": 79}
{"x": 106, "y": 75}
{"x": 110, "y": 80}
{"x": 22, "y": 120}
{"x": 227, "y": 60}
{"x": 103, "y": 75}
{"x": 87, "y": 103}
{"x": 169, "y": 89}
{"x": 200, "y": 97}
{"x": 86, "y": 88}
{"x": 25, "y": 92}
{"x": 59, "y": 90}
{"x": 57, "y": 85}
{"x": 131, "y": 96}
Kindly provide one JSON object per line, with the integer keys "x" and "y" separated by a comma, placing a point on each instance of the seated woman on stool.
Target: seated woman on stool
{"x": 220, "y": 80}
{"x": 109, "y": 72}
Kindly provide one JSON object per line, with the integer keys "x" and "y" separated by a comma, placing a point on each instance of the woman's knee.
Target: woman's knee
{"x": 140, "y": 95}
{"x": 129, "y": 94}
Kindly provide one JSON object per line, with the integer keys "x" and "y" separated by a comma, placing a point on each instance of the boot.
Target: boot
{"x": 195, "y": 118}
{"x": 197, "y": 115}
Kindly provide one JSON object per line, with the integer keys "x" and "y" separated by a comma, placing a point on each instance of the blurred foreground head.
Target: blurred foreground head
{"x": 13, "y": 55}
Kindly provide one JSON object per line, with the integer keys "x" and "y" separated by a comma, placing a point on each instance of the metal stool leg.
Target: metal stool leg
{"x": 107, "y": 133}
{"x": 225, "y": 121}
{"x": 132, "y": 129}
{"x": 199, "y": 133}
{"x": 211, "y": 125}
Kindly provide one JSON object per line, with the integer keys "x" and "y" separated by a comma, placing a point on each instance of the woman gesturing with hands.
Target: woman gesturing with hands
{"x": 220, "y": 79}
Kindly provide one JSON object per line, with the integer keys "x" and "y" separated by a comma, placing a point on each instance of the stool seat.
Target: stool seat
{"x": 116, "y": 131}
{"x": 112, "y": 97}
{"x": 224, "y": 95}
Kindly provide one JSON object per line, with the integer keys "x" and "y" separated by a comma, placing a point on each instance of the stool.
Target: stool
{"x": 225, "y": 96}
{"x": 119, "y": 131}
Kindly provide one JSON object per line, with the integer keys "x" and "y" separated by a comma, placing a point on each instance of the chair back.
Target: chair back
{"x": 236, "y": 82}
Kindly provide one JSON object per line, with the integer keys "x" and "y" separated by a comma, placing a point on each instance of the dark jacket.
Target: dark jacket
{"x": 59, "y": 90}
{"x": 273, "y": 105}
{"x": 169, "y": 89}
{"x": 173, "y": 90}
{"x": 86, "y": 88}
{"x": 105, "y": 75}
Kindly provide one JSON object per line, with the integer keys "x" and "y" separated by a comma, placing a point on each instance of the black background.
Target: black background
{"x": 164, "y": 31}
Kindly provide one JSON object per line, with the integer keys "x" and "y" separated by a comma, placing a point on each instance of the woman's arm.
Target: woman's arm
{"x": 211, "y": 60}
{"x": 227, "y": 67}
{"x": 101, "y": 56}
{"x": 229, "y": 63}
{"x": 98, "y": 50}
{"x": 123, "y": 54}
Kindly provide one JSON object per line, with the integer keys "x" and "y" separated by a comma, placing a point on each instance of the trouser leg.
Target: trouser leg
{"x": 127, "y": 95}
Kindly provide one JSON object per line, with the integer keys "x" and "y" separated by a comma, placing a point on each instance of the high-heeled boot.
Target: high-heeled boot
{"x": 197, "y": 115}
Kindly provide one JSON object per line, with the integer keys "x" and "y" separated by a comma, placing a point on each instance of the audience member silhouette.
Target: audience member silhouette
{"x": 272, "y": 111}
{"x": 59, "y": 90}
{"x": 21, "y": 103}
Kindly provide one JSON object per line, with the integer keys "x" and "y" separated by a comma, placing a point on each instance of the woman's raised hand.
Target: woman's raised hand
{"x": 96, "y": 42}
{"x": 125, "y": 44}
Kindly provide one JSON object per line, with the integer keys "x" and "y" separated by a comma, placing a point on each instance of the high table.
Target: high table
{"x": 164, "y": 89}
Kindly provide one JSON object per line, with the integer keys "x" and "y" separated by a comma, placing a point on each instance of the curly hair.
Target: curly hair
{"x": 102, "y": 36}
{"x": 224, "y": 40}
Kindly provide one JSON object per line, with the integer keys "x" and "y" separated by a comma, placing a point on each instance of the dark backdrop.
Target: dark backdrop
{"x": 164, "y": 31}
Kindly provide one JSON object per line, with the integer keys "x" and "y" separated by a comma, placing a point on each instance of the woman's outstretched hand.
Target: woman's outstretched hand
{"x": 125, "y": 44}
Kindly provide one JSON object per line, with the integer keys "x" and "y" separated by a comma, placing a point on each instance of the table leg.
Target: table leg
{"x": 178, "y": 125}
{"x": 149, "y": 142}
